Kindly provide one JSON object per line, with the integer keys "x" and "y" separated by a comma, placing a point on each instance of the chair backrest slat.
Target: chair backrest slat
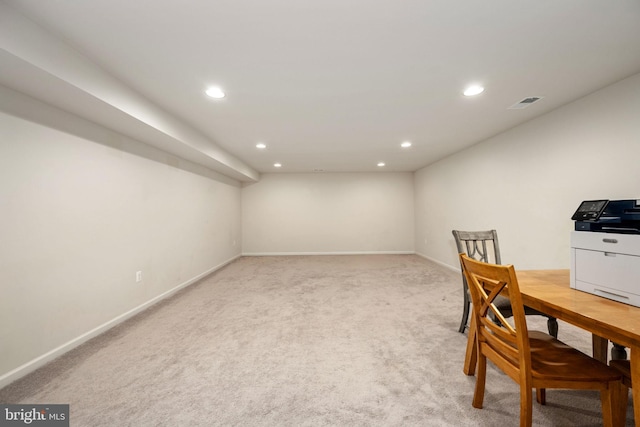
{"x": 477, "y": 244}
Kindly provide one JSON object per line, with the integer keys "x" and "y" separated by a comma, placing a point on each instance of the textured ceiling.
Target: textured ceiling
{"x": 338, "y": 85}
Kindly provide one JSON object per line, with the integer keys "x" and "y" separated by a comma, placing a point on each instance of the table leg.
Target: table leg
{"x": 635, "y": 382}
{"x": 600, "y": 348}
{"x": 471, "y": 355}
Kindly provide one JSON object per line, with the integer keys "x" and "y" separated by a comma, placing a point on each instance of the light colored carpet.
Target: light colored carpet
{"x": 297, "y": 341}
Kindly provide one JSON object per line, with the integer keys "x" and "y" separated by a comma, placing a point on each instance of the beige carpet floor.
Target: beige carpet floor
{"x": 297, "y": 341}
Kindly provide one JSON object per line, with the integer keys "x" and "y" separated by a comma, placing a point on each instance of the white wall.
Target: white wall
{"x": 82, "y": 211}
{"x": 328, "y": 213}
{"x": 35, "y": 62}
{"x": 528, "y": 181}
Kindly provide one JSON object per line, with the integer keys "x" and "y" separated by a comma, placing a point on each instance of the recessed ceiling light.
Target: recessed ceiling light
{"x": 381, "y": 164}
{"x": 261, "y": 145}
{"x": 215, "y": 92}
{"x": 277, "y": 165}
{"x": 406, "y": 144}
{"x": 473, "y": 90}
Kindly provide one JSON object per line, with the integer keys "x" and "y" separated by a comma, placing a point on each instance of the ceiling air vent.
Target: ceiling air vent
{"x": 525, "y": 103}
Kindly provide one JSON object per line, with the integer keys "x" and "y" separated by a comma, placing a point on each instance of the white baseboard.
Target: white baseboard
{"x": 328, "y": 253}
{"x": 450, "y": 267}
{"x": 40, "y": 361}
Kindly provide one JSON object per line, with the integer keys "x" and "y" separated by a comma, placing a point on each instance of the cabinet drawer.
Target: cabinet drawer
{"x": 608, "y": 269}
{"x": 607, "y": 242}
{"x": 613, "y": 294}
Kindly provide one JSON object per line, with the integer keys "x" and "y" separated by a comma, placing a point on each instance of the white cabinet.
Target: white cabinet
{"x": 607, "y": 265}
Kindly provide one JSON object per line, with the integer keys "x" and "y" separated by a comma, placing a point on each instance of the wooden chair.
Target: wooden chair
{"x": 477, "y": 245}
{"x": 532, "y": 359}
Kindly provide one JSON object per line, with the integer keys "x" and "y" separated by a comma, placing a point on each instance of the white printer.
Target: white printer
{"x": 605, "y": 249}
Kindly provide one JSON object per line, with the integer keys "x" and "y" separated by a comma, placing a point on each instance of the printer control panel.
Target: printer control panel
{"x": 590, "y": 210}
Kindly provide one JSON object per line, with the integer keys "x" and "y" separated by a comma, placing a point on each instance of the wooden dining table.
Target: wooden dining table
{"x": 548, "y": 291}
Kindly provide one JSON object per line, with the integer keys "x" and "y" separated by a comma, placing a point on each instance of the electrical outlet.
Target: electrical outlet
{"x": 138, "y": 276}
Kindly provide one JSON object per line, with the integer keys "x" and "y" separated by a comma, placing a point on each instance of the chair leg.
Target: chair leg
{"x": 619, "y": 401}
{"x": 541, "y": 396}
{"x": 471, "y": 353}
{"x": 552, "y": 325}
{"x": 618, "y": 352}
{"x": 481, "y": 376}
{"x": 465, "y": 313}
{"x": 526, "y": 406}
{"x": 610, "y": 418}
